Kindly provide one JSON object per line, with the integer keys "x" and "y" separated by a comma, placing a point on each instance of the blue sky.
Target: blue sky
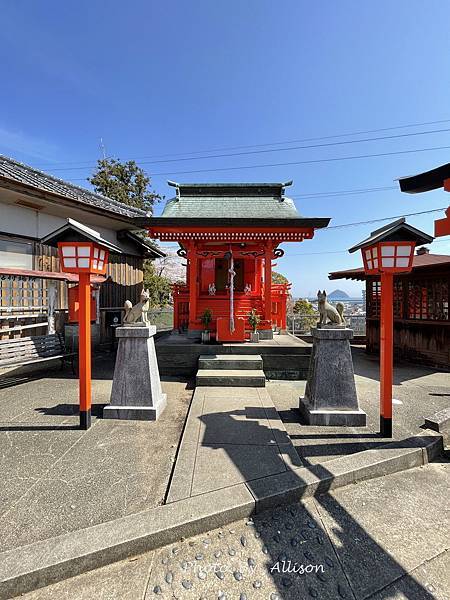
{"x": 169, "y": 78}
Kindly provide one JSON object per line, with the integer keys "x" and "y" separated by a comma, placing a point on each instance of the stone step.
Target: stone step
{"x": 231, "y": 378}
{"x": 231, "y": 361}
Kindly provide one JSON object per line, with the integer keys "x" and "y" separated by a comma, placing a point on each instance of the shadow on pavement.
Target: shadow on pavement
{"x": 354, "y": 565}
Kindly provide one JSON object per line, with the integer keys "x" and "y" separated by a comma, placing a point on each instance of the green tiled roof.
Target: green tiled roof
{"x": 232, "y": 201}
{"x": 203, "y": 207}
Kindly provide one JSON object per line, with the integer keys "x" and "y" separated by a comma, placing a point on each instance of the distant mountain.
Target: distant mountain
{"x": 338, "y": 295}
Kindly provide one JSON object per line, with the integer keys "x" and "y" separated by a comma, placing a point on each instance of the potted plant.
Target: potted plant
{"x": 206, "y": 319}
{"x": 254, "y": 320}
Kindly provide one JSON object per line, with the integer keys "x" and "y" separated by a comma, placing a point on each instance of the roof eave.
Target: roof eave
{"x": 314, "y": 222}
{"x": 54, "y": 198}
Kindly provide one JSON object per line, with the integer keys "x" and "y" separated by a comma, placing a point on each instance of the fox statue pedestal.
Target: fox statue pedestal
{"x": 136, "y": 390}
{"x": 330, "y": 395}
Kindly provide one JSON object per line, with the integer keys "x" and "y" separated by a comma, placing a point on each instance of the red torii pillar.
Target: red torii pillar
{"x": 268, "y": 282}
{"x": 442, "y": 226}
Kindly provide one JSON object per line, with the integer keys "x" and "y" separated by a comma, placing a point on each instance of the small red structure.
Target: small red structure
{"x": 425, "y": 182}
{"x": 229, "y": 235}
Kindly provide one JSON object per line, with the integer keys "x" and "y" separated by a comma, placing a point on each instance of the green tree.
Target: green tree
{"x": 303, "y": 307}
{"x": 159, "y": 287}
{"x": 278, "y": 278}
{"x": 125, "y": 182}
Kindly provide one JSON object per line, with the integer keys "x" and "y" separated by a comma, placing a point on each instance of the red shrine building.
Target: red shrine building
{"x": 229, "y": 234}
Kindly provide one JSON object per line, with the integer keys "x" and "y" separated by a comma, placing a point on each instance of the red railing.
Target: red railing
{"x": 220, "y": 306}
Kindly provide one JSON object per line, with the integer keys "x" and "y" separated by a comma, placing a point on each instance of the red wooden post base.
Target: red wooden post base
{"x": 84, "y": 350}
{"x": 386, "y": 353}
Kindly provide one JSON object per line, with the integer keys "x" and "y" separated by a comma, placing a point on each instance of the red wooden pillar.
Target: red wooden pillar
{"x": 268, "y": 283}
{"x": 84, "y": 349}
{"x": 386, "y": 352}
{"x": 192, "y": 258}
{"x": 283, "y": 311}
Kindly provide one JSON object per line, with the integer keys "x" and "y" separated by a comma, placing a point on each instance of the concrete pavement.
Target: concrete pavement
{"x": 372, "y": 540}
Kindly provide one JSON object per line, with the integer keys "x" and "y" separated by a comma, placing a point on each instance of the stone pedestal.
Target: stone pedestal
{"x": 330, "y": 395}
{"x": 136, "y": 390}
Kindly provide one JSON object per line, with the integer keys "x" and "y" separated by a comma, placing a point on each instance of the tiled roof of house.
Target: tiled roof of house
{"x": 14, "y": 171}
{"x": 420, "y": 261}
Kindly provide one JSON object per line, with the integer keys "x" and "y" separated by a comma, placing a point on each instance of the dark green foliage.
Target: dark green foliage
{"x": 125, "y": 182}
{"x": 206, "y": 318}
{"x": 278, "y": 278}
{"x": 303, "y": 307}
{"x": 158, "y": 286}
{"x": 254, "y": 319}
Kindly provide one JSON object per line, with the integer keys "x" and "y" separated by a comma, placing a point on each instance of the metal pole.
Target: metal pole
{"x": 84, "y": 349}
{"x": 386, "y": 353}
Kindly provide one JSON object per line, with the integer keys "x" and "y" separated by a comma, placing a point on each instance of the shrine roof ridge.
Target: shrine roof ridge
{"x": 247, "y": 222}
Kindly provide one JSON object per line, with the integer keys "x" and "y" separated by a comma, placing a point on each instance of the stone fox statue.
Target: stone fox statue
{"x": 138, "y": 312}
{"x": 327, "y": 311}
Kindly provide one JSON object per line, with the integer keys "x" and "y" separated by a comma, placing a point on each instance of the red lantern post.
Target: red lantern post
{"x": 85, "y": 259}
{"x": 386, "y": 254}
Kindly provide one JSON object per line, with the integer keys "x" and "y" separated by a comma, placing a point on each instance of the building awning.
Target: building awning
{"x": 69, "y": 277}
{"x": 420, "y": 262}
{"x": 73, "y": 231}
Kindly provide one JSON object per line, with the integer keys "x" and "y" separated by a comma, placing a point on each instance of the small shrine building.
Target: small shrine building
{"x": 230, "y": 234}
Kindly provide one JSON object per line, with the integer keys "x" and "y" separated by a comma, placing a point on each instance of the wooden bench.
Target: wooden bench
{"x": 34, "y": 349}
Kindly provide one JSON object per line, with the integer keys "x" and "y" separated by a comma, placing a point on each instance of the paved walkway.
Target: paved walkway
{"x": 232, "y": 435}
{"x": 235, "y": 435}
{"x": 370, "y": 541}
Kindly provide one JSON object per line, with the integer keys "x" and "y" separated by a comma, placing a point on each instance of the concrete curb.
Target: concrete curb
{"x": 43, "y": 563}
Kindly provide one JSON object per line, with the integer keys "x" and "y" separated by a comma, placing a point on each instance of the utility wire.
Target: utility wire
{"x": 271, "y": 150}
{"x": 311, "y": 139}
{"x": 423, "y": 212}
{"x": 302, "y": 162}
{"x": 342, "y": 251}
{"x": 332, "y": 194}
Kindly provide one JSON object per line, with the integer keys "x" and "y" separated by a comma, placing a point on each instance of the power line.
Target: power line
{"x": 332, "y": 194}
{"x": 296, "y": 141}
{"x": 301, "y": 162}
{"x": 344, "y": 251}
{"x": 271, "y": 150}
{"x": 423, "y": 212}
{"x": 294, "y": 163}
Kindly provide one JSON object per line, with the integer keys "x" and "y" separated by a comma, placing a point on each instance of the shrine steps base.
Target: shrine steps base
{"x": 230, "y": 378}
{"x": 230, "y": 361}
{"x": 285, "y": 357}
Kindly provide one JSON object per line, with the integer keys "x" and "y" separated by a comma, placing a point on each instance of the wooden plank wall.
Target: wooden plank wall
{"x": 124, "y": 281}
{"x": 23, "y": 300}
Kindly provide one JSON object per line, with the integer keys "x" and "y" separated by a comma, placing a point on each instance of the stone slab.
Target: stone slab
{"x": 231, "y": 361}
{"x": 135, "y": 413}
{"x": 180, "y": 485}
{"x": 332, "y": 418}
{"x": 125, "y": 580}
{"x": 224, "y": 465}
{"x": 440, "y": 421}
{"x": 387, "y": 527}
{"x": 299, "y": 483}
{"x": 231, "y": 378}
{"x": 43, "y": 563}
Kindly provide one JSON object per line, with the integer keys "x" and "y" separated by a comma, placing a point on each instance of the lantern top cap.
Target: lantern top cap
{"x": 73, "y": 231}
{"x": 397, "y": 231}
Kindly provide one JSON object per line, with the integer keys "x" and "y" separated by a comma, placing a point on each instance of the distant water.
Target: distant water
{"x": 349, "y": 300}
